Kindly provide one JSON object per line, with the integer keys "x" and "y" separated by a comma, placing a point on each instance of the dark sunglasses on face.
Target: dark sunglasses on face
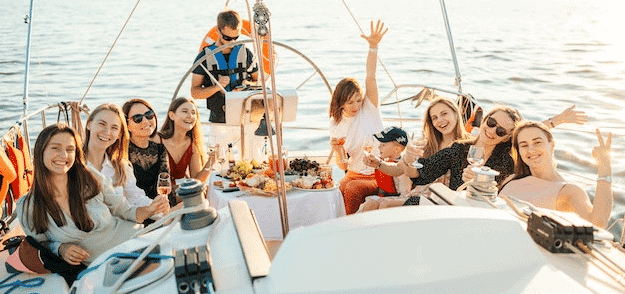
{"x": 138, "y": 118}
{"x": 228, "y": 38}
{"x": 500, "y": 131}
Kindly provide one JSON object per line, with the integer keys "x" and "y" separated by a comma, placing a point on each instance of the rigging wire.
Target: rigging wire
{"x": 109, "y": 52}
{"x": 381, "y": 63}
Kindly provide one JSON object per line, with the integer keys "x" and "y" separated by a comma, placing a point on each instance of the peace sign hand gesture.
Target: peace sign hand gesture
{"x": 601, "y": 153}
{"x": 376, "y": 34}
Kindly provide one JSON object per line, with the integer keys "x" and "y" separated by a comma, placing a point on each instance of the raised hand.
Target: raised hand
{"x": 601, "y": 153}
{"x": 570, "y": 115}
{"x": 376, "y": 34}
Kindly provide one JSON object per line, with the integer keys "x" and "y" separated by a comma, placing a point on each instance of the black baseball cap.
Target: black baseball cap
{"x": 392, "y": 134}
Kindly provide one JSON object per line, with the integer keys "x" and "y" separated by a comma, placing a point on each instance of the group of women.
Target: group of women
{"x": 519, "y": 150}
{"x": 90, "y": 196}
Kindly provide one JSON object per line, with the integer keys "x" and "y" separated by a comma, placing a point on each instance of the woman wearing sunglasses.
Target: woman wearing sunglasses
{"x": 106, "y": 151}
{"x": 538, "y": 181}
{"x": 182, "y": 137}
{"x": 146, "y": 151}
{"x": 494, "y": 136}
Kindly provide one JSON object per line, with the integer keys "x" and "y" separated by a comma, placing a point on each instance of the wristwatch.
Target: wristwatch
{"x": 605, "y": 178}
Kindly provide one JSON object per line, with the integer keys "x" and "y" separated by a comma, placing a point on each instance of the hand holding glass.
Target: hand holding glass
{"x": 341, "y": 142}
{"x": 368, "y": 148}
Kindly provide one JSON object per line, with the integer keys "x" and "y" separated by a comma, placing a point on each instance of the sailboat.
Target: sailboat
{"x": 452, "y": 243}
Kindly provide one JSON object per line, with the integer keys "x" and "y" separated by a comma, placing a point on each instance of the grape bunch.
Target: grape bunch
{"x": 304, "y": 166}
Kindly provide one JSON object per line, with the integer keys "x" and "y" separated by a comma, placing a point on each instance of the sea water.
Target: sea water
{"x": 538, "y": 56}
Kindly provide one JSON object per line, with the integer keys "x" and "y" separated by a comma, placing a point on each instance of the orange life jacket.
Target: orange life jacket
{"x": 386, "y": 184}
{"x": 8, "y": 174}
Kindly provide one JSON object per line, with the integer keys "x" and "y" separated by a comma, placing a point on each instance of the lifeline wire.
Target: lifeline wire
{"x": 109, "y": 52}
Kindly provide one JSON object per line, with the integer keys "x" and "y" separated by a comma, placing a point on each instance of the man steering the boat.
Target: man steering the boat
{"x": 227, "y": 69}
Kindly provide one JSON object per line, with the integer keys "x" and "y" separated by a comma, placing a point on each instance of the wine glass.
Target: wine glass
{"x": 419, "y": 143}
{"x": 341, "y": 142}
{"x": 476, "y": 155}
{"x": 368, "y": 148}
{"x": 163, "y": 186}
{"x": 213, "y": 149}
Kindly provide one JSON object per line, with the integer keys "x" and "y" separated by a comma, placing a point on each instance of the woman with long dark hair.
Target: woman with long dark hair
{"x": 182, "y": 136}
{"x": 67, "y": 208}
{"x": 146, "y": 151}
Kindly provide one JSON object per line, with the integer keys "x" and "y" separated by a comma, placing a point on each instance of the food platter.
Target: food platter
{"x": 316, "y": 190}
{"x": 260, "y": 192}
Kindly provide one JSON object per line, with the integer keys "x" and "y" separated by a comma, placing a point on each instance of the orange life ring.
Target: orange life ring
{"x": 246, "y": 29}
{"x": 8, "y": 174}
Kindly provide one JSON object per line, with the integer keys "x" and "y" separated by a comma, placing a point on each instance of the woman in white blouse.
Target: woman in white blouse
{"x": 67, "y": 208}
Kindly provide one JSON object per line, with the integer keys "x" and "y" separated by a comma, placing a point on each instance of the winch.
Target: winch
{"x": 483, "y": 184}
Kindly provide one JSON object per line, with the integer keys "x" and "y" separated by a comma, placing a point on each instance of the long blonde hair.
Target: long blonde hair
{"x": 196, "y": 135}
{"x": 434, "y": 136}
{"x": 118, "y": 151}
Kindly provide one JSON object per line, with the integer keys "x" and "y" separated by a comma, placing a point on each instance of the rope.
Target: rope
{"x": 109, "y": 52}
{"x": 29, "y": 283}
{"x": 380, "y": 60}
{"x": 134, "y": 255}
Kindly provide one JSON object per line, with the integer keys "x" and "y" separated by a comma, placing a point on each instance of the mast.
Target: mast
{"x": 28, "y": 20}
{"x": 451, "y": 46}
{"x": 262, "y": 28}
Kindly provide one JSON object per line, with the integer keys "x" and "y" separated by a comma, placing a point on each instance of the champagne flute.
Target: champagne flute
{"x": 475, "y": 156}
{"x": 163, "y": 188}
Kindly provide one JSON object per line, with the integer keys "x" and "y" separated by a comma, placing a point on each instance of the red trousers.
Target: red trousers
{"x": 355, "y": 187}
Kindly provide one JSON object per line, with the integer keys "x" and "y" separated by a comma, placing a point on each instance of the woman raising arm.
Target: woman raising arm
{"x": 538, "y": 181}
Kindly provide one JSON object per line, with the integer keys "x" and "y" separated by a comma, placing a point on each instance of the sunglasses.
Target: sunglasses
{"x": 228, "y": 38}
{"x": 138, "y": 118}
{"x": 500, "y": 131}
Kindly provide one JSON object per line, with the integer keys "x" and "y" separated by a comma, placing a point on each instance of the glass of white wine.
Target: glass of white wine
{"x": 475, "y": 156}
{"x": 419, "y": 143}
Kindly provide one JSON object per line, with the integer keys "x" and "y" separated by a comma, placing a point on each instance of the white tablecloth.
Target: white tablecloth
{"x": 304, "y": 207}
